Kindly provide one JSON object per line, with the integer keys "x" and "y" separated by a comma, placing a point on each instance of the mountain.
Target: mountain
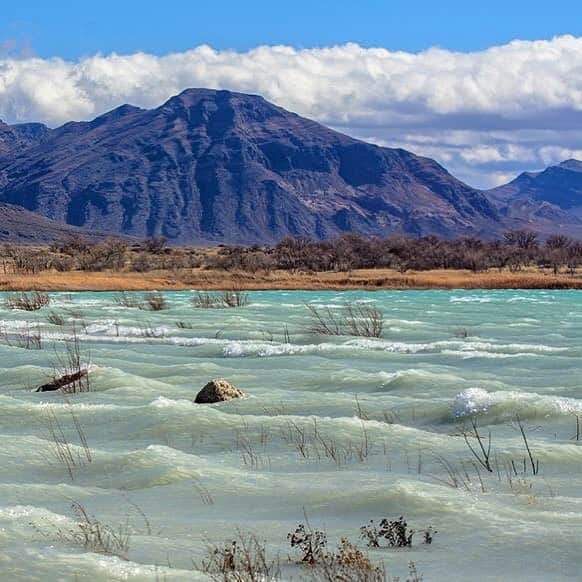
{"x": 14, "y": 139}
{"x": 215, "y": 166}
{"x": 548, "y": 202}
{"x": 25, "y": 227}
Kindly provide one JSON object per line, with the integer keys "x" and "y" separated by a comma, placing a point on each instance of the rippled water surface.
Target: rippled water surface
{"x": 183, "y": 475}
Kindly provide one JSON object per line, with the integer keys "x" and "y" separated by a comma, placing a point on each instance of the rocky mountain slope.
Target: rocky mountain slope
{"x": 215, "y": 166}
{"x": 548, "y": 202}
{"x": 25, "y": 227}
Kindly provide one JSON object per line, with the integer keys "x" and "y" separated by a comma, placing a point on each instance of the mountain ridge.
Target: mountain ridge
{"x": 211, "y": 166}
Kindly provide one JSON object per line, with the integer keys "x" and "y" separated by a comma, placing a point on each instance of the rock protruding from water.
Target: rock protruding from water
{"x": 62, "y": 381}
{"x": 218, "y": 391}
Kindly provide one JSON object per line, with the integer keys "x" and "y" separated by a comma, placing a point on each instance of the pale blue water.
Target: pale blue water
{"x": 153, "y": 448}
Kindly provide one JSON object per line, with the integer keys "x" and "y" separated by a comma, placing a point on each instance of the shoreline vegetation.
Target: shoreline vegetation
{"x": 518, "y": 261}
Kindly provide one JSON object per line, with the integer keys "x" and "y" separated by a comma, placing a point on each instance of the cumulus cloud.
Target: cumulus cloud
{"x": 483, "y": 114}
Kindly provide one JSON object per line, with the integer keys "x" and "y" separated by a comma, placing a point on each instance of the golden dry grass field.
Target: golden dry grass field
{"x": 218, "y": 279}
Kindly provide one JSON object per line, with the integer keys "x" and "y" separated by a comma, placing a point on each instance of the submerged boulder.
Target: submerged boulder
{"x": 218, "y": 391}
{"x": 63, "y": 381}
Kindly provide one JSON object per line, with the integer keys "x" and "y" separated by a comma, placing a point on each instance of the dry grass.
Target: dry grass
{"x": 208, "y": 279}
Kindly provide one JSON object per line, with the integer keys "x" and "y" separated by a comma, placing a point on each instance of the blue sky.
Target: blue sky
{"x": 72, "y": 29}
{"x": 488, "y": 88}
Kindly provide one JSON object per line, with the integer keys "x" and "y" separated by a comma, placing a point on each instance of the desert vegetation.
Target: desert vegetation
{"x": 246, "y": 559}
{"x": 519, "y": 259}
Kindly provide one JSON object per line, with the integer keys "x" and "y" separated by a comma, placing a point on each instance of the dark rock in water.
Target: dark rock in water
{"x": 63, "y": 381}
{"x": 218, "y": 391}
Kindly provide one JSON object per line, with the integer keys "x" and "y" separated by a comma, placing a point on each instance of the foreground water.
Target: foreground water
{"x": 181, "y": 476}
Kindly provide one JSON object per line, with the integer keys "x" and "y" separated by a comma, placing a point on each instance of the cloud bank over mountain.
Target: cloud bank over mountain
{"x": 485, "y": 115}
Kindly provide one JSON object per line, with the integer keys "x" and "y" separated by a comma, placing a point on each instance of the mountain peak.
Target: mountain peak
{"x": 218, "y": 166}
{"x": 572, "y": 165}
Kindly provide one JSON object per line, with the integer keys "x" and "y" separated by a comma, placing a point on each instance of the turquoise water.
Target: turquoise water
{"x": 182, "y": 475}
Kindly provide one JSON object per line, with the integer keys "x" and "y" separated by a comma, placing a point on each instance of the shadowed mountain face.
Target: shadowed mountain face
{"x": 549, "y": 201}
{"x": 14, "y": 139}
{"x": 215, "y": 166}
{"x": 24, "y": 227}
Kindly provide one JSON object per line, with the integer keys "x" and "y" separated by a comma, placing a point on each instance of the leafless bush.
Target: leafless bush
{"x": 29, "y": 338}
{"x": 220, "y": 299}
{"x": 72, "y": 363}
{"x": 481, "y": 453}
{"x": 55, "y": 318}
{"x": 110, "y": 254}
{"x": 353, "y": 319}
{"x": 154, "y": 302}
{"x": 311, "y": 543}
{"x": 347, "y": 564}
{"x": 534, "y": 463}
{"x": 128, "y": 300}
{"x": 394, "y": 532}
{"x": 27, "y": 301}
{"x": 363, "y": 320}
{"x": 243, "y": 560}
{"x": 235, "y": 298}
{"x": 183, "y": 325}
{"x": 96, "y": 536}
{"x": 71, "y": 456}
{"x": 154, "y": 245}
{"x": 325, "y": 321}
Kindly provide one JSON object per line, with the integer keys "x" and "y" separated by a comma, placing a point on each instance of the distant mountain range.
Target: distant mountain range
{"x": 215, "y": 166}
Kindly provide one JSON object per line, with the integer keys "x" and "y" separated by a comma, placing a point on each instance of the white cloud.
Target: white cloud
{"x": 469, "y": 110}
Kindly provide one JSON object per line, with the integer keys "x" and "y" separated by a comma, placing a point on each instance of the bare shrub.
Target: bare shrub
{"x": 395, "y": 533}
{"x": 310, "y": 543}
{"x": 154, "y": 302}
{"x": 220, "y": 299}
{"x": 347, "y": 564}
{"x": 481, "y": 453}
{"x": 154, "y": 245}
{"x": 63, "y": 451}
{"x": 27, "y": 301}
{"x": 54, "y": 318}
{"x": 96, "y": 536}
{"x": 183, "y": 325}
{"x": 534, "y": 463}
{"x": 325, "y": 321}
{"x": 235, "y": 298}
{"x": 128, "y": 300}
{"x": 243, "y": 560}
{"x": 353, "y": 319}
{"x": 363, "y": 320}
{"x": 30, "y": 338}
{"x": 72, "y": 363}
